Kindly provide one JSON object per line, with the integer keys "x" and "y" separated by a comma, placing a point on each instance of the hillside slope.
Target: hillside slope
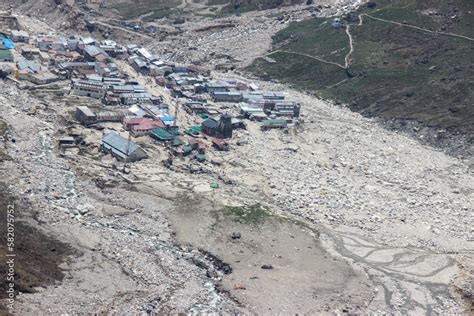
{"x": 401, "y": 66}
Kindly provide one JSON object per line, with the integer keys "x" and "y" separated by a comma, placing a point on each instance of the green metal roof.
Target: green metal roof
{"x": 5, "y": 54}
{"x": 194, "y": 130}
{"x": 177, "y": 141}
{"x": 201, "y": 157}
{"x": 187, "y": 149}
{"x": 161, "y": 134}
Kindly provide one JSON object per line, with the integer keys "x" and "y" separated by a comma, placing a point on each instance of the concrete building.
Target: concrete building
{"x": 87, "y": 88}
{"x": 108, "y": 116}
{"x": 42, "y": 77}
{"x": 19, "y": 36}
{"x": 227, "y": 96}
{"x": 221, "y": 128}
{"x": 94, "y": 53}
{"x": 122, "y": 148}
{"x": 273, "y": 96}
{"x": 5, "y": 54}
{"x": 85, "y": 116}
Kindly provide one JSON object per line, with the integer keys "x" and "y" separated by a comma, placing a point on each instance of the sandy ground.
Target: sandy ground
{"x": 363, "y": 219}
{"x": 305, "y": 279}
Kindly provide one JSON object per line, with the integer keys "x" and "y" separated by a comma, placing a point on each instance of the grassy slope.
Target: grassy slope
{"x": 157, "y": 8}
{"x": 391, "y": 64}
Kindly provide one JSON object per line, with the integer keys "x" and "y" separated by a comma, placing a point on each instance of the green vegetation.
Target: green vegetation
{"x": 163, "y": 13}
{"x": 395, "y": 71}
{"x": 252, "y": 214}
{"x": 244, "y": 7}
{"x": 252, "y": 5}
{"x": 332, "y": 44}
{"x": 37, "y": 256}
{"x": 156, "y": 8}
{"x": 217, "y": 2}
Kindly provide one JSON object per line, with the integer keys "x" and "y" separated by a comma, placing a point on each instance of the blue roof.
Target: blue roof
{"x": 167, "y": 118}
{"x": 28, "y": 65}
{"x": 118, "y": 144}
{"x": 9, "y": 44}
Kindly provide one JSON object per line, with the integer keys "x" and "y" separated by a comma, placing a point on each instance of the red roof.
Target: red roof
{"x": 219, "y": 142}
{"x": 135, "y": 120}
{"x": 148, "y": 126}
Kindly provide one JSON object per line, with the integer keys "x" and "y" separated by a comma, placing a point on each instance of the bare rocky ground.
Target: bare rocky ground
{"x": 361, "y": 219}
{"x": 238, "y": 40}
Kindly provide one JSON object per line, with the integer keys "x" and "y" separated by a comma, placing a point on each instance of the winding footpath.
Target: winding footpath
{"x": 351, "y": 41}
{"x": 414, "y": 27}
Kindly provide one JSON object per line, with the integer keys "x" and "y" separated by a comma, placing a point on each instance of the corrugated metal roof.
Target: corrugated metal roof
{"x": 118, "y": 144}
{"x": 5, "y": 54}
{"x": 161, "y": 134}
{"x": 86, "y": 111}
{"x": 210, "y": 123}
{"x": 92, "y": 50}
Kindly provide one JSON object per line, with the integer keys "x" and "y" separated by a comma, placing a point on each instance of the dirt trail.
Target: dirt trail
{"x": 125, "y": 30}
{"x": 351, "y": 45}
{"x": 307, "y": 55}
{"x": 414, "y": 27}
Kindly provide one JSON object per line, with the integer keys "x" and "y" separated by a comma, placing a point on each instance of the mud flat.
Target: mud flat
{"x": 278, "y": 264}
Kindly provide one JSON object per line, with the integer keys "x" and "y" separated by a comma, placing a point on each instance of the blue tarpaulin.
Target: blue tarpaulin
{"x": 8, "y": 44}
{"x": 167, "y": 118}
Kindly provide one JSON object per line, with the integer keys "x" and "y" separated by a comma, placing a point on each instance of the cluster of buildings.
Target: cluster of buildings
{"x": 251, "y": 103}
{"x": 219, "y": 107}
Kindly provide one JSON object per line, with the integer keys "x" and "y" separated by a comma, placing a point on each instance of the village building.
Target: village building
{"x": 140, "y": 65}
{"x": 140, "y": 126}
{"x": 143, "y": 52}
{"x": 220, "y": 144}
{"x": 128, "y": 88}
{"x": 41, "y": 78}
{"x": 73, "y": 43}
{"x": 29, "y": 70}
{"x": 194, "y": 107}
{"x": 161, "y": 135}
{"x": 5, "y": 54}
{"x": 221, "y": 128}
{"x": 108, "y": 116}
{"x": 19, "y": 36}
{"x": 89, "y": 88}
{"x": 132, "y": 48}
{"x": 111, "y": 99}
{"x": 122, "y": 148}
{"x": 56, "y": 44}
{"x": 66, "y": 141}
{"x": 252, "y": 97}
{"x": 85, "y": 116}
{"x": 44, "y": 57}
{"x": 30, "y": 53}
{"x": 146, "y": 128}
{"x": 227, "y": 96}
{"x": 217, "y": 87}
{"x": 284, "y": 108}
{"x": 94, "y": 53}
{"x": 80, "y": 67}
{"x": 134, "y": 98}
{"x": 271, "y": 124}
{"x": 85, "y": 41}
{"x": 273, "y": 96}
